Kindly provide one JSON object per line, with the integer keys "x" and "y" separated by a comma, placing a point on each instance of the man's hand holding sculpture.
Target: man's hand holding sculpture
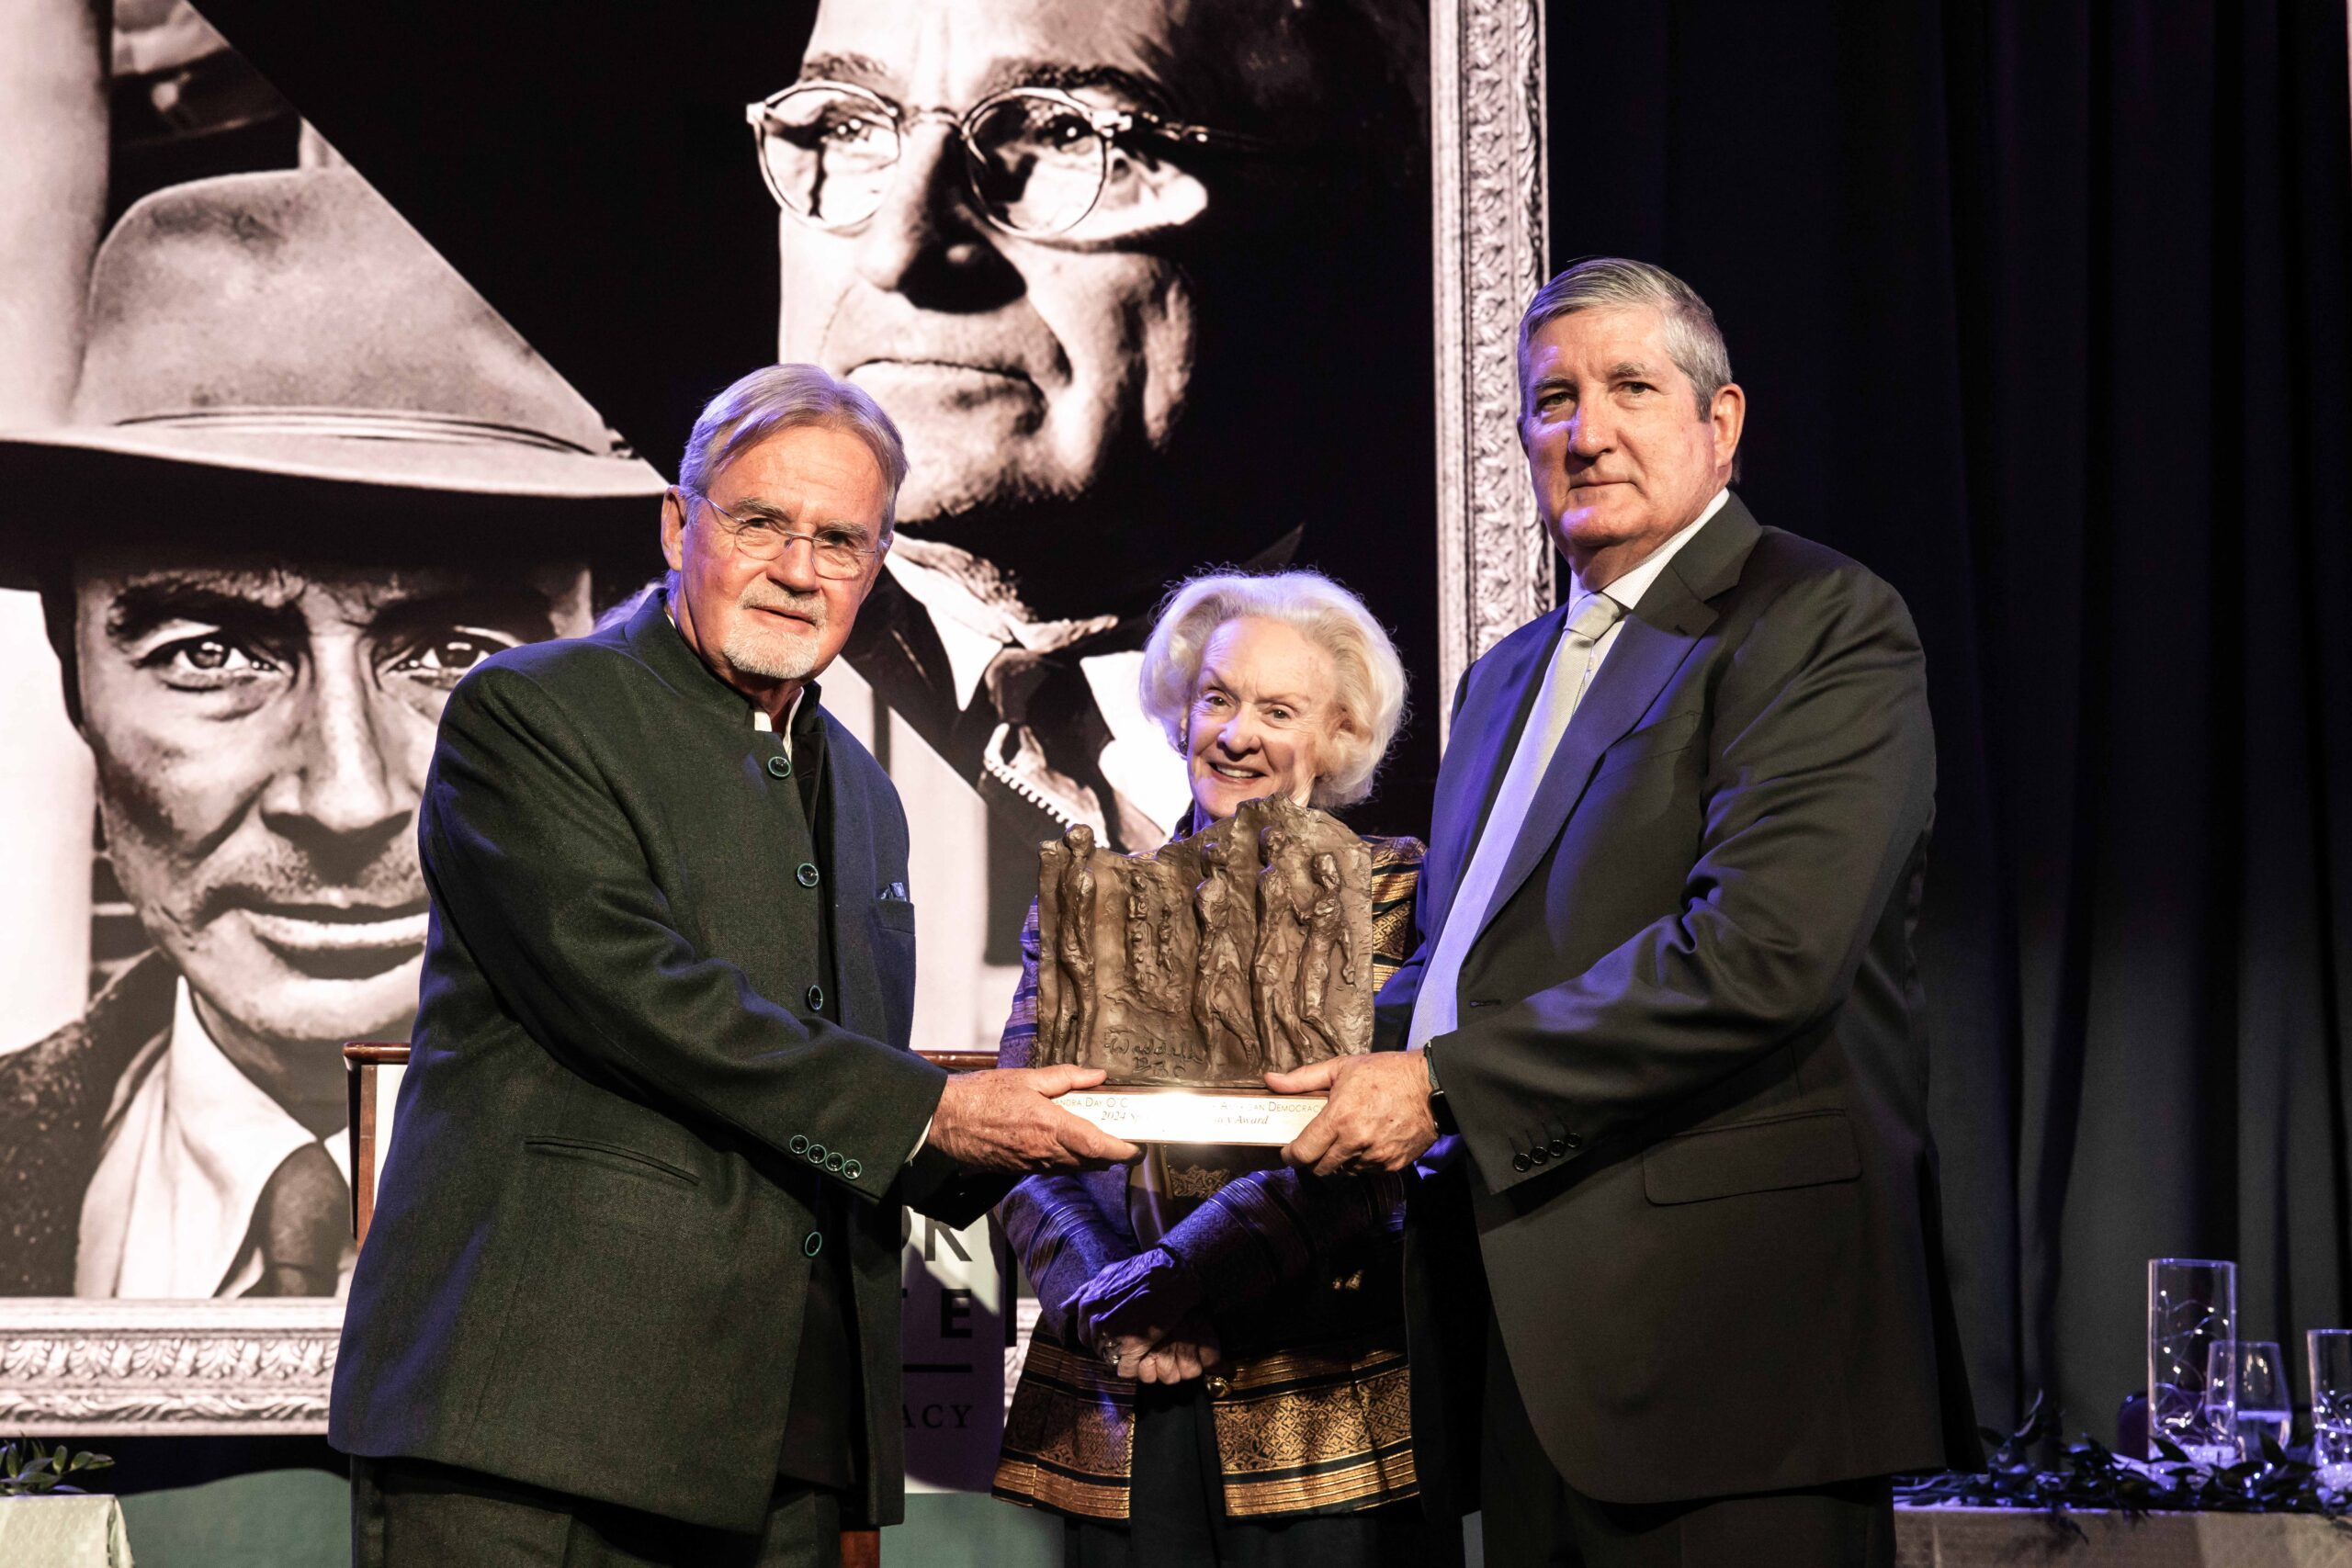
{"x": 1005, "y": 1119}
{"x": 1378, "y": 1117}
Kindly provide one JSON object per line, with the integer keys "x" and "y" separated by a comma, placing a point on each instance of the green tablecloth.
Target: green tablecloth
{"x": 64, "y": 1532}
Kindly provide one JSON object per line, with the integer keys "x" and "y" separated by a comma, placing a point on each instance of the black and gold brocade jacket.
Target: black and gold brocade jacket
{"x": 1311, "y": 1399}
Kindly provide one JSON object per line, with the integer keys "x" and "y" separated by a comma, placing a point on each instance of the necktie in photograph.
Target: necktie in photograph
{"x": 299, "y": 1224}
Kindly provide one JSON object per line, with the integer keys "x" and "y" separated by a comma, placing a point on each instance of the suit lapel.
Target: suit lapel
{"x": 1655, "y": 638}
{"x": 1638, "y": 665}
{"x": 1485, "y": 732}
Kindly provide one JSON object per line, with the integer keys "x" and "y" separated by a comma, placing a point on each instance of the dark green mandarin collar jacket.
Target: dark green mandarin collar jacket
{"x": 593, "y": 1240}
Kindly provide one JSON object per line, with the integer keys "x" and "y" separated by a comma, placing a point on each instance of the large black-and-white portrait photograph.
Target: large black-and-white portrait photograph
{"x": 305, "y": 477}
{"x": 330, "y": 385}
{"x": 1144, "y": 285}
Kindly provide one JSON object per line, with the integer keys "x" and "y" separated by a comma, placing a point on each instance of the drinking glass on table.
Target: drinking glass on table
{"x": 2331, "y": 1353}
{"x": 2192, "y": 1306}
{"x": 2252, "y": 1376}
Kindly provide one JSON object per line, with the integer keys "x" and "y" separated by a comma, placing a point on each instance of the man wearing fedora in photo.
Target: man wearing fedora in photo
{"x": 309, "y": 479}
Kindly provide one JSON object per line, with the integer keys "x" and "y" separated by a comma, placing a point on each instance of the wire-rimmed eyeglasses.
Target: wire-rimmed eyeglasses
{"x": 835, "y": 551}
{"x": 1040, "y": 162}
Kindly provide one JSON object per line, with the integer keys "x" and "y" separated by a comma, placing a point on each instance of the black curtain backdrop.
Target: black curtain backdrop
{"x": 2041, "y": 309}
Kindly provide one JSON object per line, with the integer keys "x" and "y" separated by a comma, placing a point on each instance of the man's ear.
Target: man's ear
{"x": 673, "y": 528}
{"x": 1728, "y": 415}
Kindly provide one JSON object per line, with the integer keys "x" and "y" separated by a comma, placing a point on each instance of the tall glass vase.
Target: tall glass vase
{"x": 2331, "y": 1351}
{"x": 2192, "y": 1306}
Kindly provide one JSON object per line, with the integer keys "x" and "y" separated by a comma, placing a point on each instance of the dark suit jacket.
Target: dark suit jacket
{"x": 54, "y": 1096}
{"x": 587, "y": 1265}
{"x": 1690, "y": 1070}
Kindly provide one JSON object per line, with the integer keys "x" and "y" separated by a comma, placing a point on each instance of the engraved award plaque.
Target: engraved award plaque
{"x": 1188, "y": 975}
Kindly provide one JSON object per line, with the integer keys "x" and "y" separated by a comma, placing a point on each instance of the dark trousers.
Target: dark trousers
{"x": 1176, "y": 1511}
{"x": 1533, "y": 1519}
{"x": 409, "y": 1514}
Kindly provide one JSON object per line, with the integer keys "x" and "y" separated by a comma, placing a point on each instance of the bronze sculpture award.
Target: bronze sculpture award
{"x": 1188, "y": 975}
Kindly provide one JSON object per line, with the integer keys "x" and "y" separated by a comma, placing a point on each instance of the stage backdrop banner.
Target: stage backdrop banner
{"x": 341, "y": 349}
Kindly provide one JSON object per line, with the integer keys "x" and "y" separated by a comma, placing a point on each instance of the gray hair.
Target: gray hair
{"x": 1693, "y": 340}
{"x": 1371, "y": 678}
{"x": 777, "y": 397}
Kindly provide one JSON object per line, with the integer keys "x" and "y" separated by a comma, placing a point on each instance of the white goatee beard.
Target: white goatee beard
{"x": 776, "y": 657}
{"x": 753, "y": 655}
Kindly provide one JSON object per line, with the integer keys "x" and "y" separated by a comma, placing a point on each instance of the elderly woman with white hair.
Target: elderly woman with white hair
{"x": 1217, "y": 1374}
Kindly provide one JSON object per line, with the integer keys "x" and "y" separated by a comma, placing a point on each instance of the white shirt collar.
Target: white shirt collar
{"x": 171, "y": 1205}
{"x": 1628, "y": 589}
{"x": 1140, "y": 761}
{"x": 761, "y": 722}
{"x": 973, "y": 627}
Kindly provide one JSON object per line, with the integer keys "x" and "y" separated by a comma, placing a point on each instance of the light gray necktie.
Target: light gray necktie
{"x": 1572, "y": 663}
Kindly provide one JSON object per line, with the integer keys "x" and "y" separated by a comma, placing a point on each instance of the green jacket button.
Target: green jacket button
{"x": 816, "y": 1154}
{"x": 833, "y": 1161}
{"x": 806, "y": 875}
{"x": 853, "y": 1171}
{"x": 780, "y": 767}
{"x": 816, "y": 998}
{"x": 813, "y": 1243}
{"x": 800, "y": 1143}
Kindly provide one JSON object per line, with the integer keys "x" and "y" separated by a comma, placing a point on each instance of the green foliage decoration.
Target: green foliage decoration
{"x": 28, "y": 1469}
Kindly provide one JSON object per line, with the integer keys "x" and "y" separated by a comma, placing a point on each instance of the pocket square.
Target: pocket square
{"x": 893, "y": 892}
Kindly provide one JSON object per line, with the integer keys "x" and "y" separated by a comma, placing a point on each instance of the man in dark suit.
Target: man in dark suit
{"x": 1666, "y": 997}
{"x": 631, "y": 1291}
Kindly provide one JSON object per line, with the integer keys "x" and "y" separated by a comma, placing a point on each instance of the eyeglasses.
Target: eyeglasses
{"x": 835, "y": 552}
{"x": 1040, "y": 162}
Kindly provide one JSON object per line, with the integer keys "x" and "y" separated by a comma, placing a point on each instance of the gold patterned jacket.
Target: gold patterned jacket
{"x": 1311, "y": 1398}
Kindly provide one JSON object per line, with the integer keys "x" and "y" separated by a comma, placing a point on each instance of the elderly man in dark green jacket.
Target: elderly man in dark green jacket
{"x": 631, "y": 1291}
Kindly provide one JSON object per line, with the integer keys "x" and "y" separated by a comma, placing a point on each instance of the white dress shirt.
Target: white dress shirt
{"x": 170, "y": 1209}
{"x": 1628, "y": 589}
{"x": 973, "y": 631}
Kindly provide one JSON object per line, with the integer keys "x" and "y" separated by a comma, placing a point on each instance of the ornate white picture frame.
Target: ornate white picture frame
{"x": 72, "y": 1366}
{"x": 1488, "y": 182}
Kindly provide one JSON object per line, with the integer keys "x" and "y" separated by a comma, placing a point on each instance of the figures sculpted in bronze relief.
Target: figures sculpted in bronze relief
{"x": 1274, "y": 973}
{"x": 1220, "y": 990}
{"x": 1241, "y": 949}
{"x": 1074, "y": 941}
{"x": 1327, "y": 929}
{"x": 1151, "y": 940}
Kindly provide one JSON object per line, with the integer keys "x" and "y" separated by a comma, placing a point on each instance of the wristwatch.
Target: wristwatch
{"x": 1440, "y": 1113}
